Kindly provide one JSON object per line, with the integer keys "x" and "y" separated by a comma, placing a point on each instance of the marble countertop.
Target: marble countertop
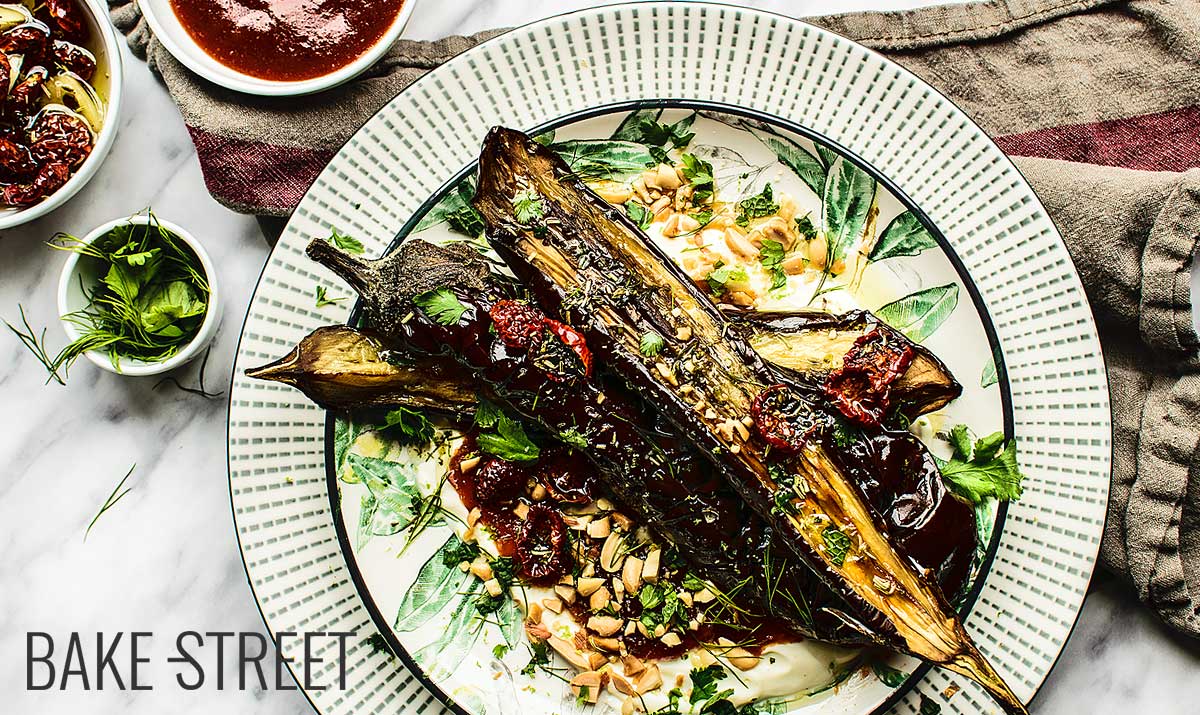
{"x": 166, "y": 560}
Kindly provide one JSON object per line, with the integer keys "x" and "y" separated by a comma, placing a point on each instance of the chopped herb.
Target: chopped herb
{"x": 408, "y": 426}
{"x": 466, "y": 220}
{"x": 349, "y": 244}
{"x": 783, "y": 503}
{"x": 111, "y": 501}
{"x": 844, "y": 433}
{"x": 758, "y": 206}
{"x": 639, "y": 214}
{"x": 986, "y": 471}
{"x": 583, "y": 696}
{"x": 487, "y": 414}
{"x": 699, "y": 174}
{"x": 720, "y": 278}
{"x": 652, "y": 344}
{"x": 694, "y": 583}
{"x": 528, "y": 207}
{"x": 377, "y": 644}
{"x": 837, "y": 545}
{"x": 500, "y": 651}
{"x": 509, "y": 442}
{"x": 487, "y": 604}
{"x": 888, "y": 675}
{"x": 702, "y": 217}
{"x": 460, "y": 552}
{"x": 928, "y": 707}
{"x": 771, "y": 256}
{"x": 574, "y": 438}
{"x": 441, "y": 305}
{"x": 651, "y": 596}
{"x": 655, "y": 135}
{"x": 323, "y": 298}
{"x": 805, "y": 227}
{"x": 504, "y": 571}
{"x": 539, "y": 657}
{"x": 704, "y": 683}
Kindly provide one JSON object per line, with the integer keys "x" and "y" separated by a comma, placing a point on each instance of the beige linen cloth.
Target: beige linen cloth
{"x": 1099, "y": 99}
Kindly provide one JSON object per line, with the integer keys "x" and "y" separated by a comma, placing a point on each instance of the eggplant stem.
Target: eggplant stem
{"x": 347, "y": 267}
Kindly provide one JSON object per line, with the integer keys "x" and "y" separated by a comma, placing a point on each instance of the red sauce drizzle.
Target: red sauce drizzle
{"x": 286, "y": 40}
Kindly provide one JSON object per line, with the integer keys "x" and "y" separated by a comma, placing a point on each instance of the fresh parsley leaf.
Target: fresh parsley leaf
{"x": 574, "y": 438}
{"x": 987, "y": 447}
{"x": 659, "y": 155}
{"x": 500, "y": 651}
{"x": 539, "y": 657}
{"x": 758, "y": 206}
{"x": 487, "y": 414}
{"x": 509, "y": 442}
{"x": 704, "y": 683}
{"x": 996, "y": 476}
{"x": 653, "y": 134}
{"x": 349, "y": 244}
{"x": 651, "y": 344}
{"x": 771, "y": 256}
{"x": 837, "y": 545}
{"x": 699, "y": 174}
{"x": 441, "y": 305}
{"x": 960, "y": 440}
{"x": 323, "y": 298}
{"x": 411, "y": 427}
{"x": 583, "y": 696}
{"x": 702, "y": 217}
{"x": 639, "y": 214}
{"x": 723, "y": 275}
{"x": 888, "y": 675}
{"x": 805, "y": 227}
{"x": 928, "y": 707}
{"x": 719, "y": 704}
{"x": 528, "y": 207}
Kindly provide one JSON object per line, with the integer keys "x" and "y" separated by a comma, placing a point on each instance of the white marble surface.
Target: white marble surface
{"x": 166, "y": 560}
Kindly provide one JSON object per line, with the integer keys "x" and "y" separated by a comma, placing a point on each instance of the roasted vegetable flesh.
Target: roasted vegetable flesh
{"x": 591, "y": 266}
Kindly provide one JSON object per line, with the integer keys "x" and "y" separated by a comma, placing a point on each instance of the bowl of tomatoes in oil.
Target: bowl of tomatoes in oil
{"x": 60, "y": 82}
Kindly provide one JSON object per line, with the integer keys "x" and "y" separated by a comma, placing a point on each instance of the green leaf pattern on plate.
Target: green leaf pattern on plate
{"x": 395, "y": 494}
{"x": 627, "y": 131}
{"x": 919, "y": 314}
{"x": 904, "y": 236}
{"x": 828, "y": 156}
{"x": 443, "y": 656}
{"x": 990, "y": 376}
{"x": 846, "y": 202}
{"x": 436, "y": 586}
{"x": 594, "y": 159}
{"x": 345, "y": 434}
{"x": 795, "y": 157}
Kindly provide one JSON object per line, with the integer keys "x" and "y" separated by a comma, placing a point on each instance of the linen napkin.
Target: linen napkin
{"x": 1100, "y": 98}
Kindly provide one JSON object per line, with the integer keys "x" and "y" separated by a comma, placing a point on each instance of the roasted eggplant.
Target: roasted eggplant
{"x": 588, "y": 264}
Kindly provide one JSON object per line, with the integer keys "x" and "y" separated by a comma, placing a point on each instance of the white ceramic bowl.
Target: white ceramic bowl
{"x": 108, "y": 60}
{"x": 72, "y": 299}
{"x": 171, "y": 33}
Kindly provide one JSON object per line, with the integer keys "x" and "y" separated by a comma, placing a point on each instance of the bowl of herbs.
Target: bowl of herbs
{"x": 137, "y": 296}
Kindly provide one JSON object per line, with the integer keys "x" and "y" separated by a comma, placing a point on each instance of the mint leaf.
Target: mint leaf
{"x": 323, "y": 298}
{"x": 408, "y": 426}
{"x": 574, "y": 438}
{"x": 441, "y": 305}
{"x": 719, "y": 279}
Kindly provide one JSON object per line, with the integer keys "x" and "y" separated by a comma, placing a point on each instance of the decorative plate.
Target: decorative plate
{"x": 963, "y": 259}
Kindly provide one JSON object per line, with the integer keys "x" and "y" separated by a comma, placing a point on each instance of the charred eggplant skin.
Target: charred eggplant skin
{"x": 579, "y": 257}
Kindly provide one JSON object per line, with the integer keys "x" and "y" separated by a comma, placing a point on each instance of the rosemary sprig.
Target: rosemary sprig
{"x": 111, "y": 501}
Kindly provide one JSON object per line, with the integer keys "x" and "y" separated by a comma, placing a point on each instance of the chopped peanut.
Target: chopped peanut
{"x": 587, "y": 586}
{"x": 631, "y": 575}
{"x": 599, "y": 599}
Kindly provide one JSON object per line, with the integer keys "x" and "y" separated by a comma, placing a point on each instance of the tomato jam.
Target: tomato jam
{"x": 286, "y": 40}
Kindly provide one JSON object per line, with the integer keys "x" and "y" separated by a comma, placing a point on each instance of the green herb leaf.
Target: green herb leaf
{"x": 837, "y": 545}
{"x": 639, "y": 214}
{"x": 539, "y": 657}
{"x": 487, "y": 414}
{"x": 509, "y": 442}
{"x": 500, "y": 651}
{"x": 805, "y": 227}
{"x": 651, "y": 596}
{"x": 441, "y": 305}
{"x": 349, "y": 244}
{"x": 920, "y": 314}
{"x": 904, "y": 236}
{"x": 574, "y": 438}
{"x": 771, "y": 256}
{"x": 997, "y": 476}
{"x": 528, "y": 207}
{"x": 704, "y": 683}
{"x": 323, "y": 298}
{"x": 699, "y": 174}
{"x": 651, "y": 344}
{"x": 584, "y": 694}
{"x": 888, "y": 675}
{"x": 758, "y": 206}
{"x": 960, "y": 440}
{"x": 987, "y": 447}
{"x": 411, "y": 427}
{"x": 702, "y": 217}
{"x": 165, "y": 304}
{"x": 723, "y": 275}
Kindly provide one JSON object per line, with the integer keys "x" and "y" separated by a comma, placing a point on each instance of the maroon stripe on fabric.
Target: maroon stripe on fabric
{"x": 255, "y": 176}
{"x": 1165, "y": 141}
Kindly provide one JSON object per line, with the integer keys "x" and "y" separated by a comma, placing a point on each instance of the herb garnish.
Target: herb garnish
{"x": 651, "y": 344}
{"x": 988, "y": 469}
{"x": 323, "y": 298}
{"x": 528, "y": 207}
{"x": 500, "y": 651}
{"x": 805, "y": 227}
{"x": 463, "y": 551}
{"x": 758, "y": 206}
{"x": 574, "y": 438}
{"x": 639, "y": 214}
{"x": 699, "y": 174}
{"x": 837, "y": 545}
{"x": 539, "y": 657}
{"x": 771, "y": 256}
{"x": 722, "y": 275}
{"x": 111, "y": 501}
{"x": 509, "y": 442}
{"x": 411, "y": 428}
{"x": 928, "y": 707}
{"x": 659, "y": 138}
{"x": 704, "y": 682}
{"x": 441, "y": 305}
{"x": 349, "y": 244}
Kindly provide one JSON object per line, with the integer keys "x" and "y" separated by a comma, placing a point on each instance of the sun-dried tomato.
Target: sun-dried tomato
{"x": 567, "y": 477}
{"x": 20, "y": 99}
{"x": 518, "y": 324}
{"x": 5, "y": 76}
{"x": 29, "y": 40}
{"x": 61, "y": 137}
{"x": 499, "y": 482}
{"x": 862, "y": 388}
{"x": 783, "y": 419}
{"x": 75, "y": 59}
{"x": 50, "y": 178}
{"x": 67, "y": 17}
{"x": 542, "y": 545}
{"x": 16, "y": 163}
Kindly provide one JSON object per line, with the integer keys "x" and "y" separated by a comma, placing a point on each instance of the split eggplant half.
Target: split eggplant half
{"x": 589, "y": 265}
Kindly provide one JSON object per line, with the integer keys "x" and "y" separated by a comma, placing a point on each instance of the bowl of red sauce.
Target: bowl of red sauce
{"x": 277, "y": 47}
